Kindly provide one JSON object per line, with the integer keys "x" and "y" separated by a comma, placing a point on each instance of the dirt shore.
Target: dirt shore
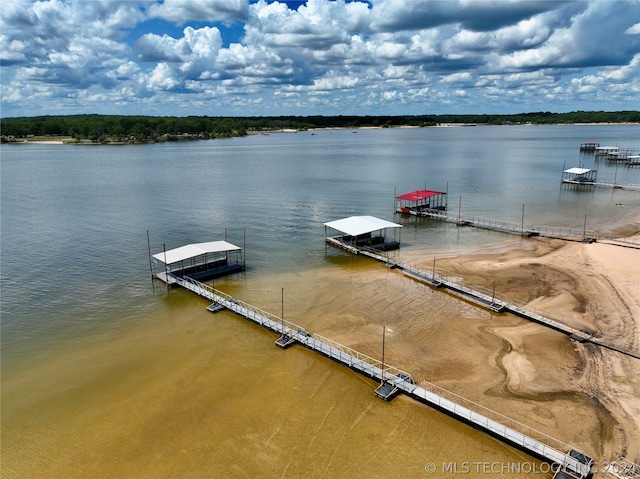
{"x": 593, "y": 286}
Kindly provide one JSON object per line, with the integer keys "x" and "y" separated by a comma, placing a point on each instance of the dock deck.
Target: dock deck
{"x": 554, "y": 232}
{"x": 504, "y": 226}
{"x": 393, "y": 381}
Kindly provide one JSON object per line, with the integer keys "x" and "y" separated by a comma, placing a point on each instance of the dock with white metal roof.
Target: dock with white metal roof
{"x": 579, "y": 176}
{"x": 199, "y": 261}
{"x": 363, "y": 233}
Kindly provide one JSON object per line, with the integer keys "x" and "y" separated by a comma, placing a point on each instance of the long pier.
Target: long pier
{"x": 506, "y": 226}
{"x": 490, "y": 301}
{"x": 617, "y": 186}
{"x": 554, "y": 232}
{"x": 569, "y": 461}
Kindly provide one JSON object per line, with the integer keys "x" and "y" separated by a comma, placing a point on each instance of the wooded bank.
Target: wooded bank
{"x": 121, "y": 128}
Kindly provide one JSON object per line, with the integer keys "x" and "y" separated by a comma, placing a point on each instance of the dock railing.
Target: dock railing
{"x": 279, "y": 325}
{"x": 505, "y": 421}
{"x": 513, "y": 431}
{"x": 496, "y": 297}
{"x": 508, "y": 226}
{"x": 631, "y": 241}
{"x": 345, "y": 353}
{"x": 500, "y": 225}
{"x": 494, "y": 300}
{"x": 566, "y": 456}
{"x": 349, "y": 356}
{"x": 257, "y": 315}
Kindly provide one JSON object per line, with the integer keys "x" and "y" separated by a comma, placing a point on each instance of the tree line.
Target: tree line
{"x": 131, "y": 129}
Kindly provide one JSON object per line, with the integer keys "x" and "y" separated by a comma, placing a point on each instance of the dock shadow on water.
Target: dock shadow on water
{"x": 181, "y": 392}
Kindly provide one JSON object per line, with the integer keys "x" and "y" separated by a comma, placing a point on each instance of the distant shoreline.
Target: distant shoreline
{"x": 67, "y": 140}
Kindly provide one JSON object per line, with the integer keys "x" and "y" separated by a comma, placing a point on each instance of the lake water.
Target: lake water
{"x": 105, "y": 375}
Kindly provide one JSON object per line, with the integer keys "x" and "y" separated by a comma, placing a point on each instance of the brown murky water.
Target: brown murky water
{"x": 185, "y": 393}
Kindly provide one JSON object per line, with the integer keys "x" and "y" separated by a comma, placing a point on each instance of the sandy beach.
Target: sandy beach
{"x": 594, "y": 286}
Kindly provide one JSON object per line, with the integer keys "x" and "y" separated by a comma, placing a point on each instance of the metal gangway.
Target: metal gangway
{"x": 540, "y": 445}
{"x": 289, "y": 331}
{"x": 554, "y": 232}
{"x": 509, "y": 227}
{"x": 487, "y": 299}
{"x": 495, "y": 303}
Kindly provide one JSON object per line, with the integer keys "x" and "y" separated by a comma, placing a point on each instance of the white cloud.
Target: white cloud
{"x": 163, "y": 77}
{"x": 182, "y": 11}
{"x": 462, "y": 77}
{"x": 330, "y": 54}
{"x": 332, "y": 82}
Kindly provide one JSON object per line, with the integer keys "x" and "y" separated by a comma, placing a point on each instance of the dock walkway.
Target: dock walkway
{"x": 490, "y": 301}
{"x": 554, "y": 232}
{"x": 506, "y": 226}
{"x": 538, "y": 444}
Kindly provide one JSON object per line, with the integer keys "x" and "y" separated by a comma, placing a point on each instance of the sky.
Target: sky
{"x": 317, "y": 57}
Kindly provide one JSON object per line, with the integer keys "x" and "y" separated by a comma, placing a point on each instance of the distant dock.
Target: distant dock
{"x": 589, "y": 146}
{"x": 626, "y": 156}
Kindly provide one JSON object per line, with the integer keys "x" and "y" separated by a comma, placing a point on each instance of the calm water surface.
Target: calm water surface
{"x": 106, "y": 376}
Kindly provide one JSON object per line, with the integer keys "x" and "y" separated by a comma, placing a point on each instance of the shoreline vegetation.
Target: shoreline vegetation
{"x": 122, "y": 129}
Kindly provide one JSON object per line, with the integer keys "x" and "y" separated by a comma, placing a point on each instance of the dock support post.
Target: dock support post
{"x": 149, "y": 248}
{"x": 446, "y": 203}
{"x": 166, "y": 266}
{"x": 384, "y": 327}
{"x": 394, "y": 198}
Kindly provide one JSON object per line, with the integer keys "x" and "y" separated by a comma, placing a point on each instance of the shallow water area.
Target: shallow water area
{"x": 186, "y": 392}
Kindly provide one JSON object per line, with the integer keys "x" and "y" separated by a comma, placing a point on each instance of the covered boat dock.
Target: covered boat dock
{"x": 589, "y": 145}
{"x": 200, "y": 261}
{"x": 421, "y": 202}
{"x": 366, "y": 232}
{"x": 607, "y": 151}
{"x": 579, "y": 176}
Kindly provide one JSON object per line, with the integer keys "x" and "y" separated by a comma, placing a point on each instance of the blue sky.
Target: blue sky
{"x": 317, "y": 57}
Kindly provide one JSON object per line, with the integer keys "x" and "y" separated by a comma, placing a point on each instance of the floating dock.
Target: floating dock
{"x": 571, "y": 462}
